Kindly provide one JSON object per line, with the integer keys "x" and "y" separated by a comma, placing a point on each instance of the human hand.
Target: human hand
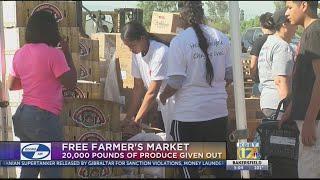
{"x": 64, "y": 43}
{"x": 308, "y": 133}
{"x": 161, "y": 99}
{"x": 126, "y": 121}
{"x": 285, "y": 117}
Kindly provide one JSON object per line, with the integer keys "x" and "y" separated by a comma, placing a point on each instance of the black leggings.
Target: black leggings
{"x": 204, "y": 131}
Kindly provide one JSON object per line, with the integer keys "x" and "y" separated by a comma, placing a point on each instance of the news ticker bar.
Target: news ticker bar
{"x": 233, "y": 165}
{"x": 126, "y": 163}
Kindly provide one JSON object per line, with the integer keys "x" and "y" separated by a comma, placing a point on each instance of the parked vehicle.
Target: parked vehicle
{"x": 251, "y": 34}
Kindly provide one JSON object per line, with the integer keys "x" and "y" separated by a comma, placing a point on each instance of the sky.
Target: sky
{"x": 251, "y": 8}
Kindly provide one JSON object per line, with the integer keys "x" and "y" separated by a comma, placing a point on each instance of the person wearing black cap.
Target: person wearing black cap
{"x": 267, "y": 27}
{"x": 305, "y": 107}
{"x": 275, "y": 64}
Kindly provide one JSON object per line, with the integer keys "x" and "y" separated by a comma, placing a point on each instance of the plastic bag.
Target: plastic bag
{"x": 167, "y": 112}
{"x": 111, "y": 88}
{"x": 158, "y": 172}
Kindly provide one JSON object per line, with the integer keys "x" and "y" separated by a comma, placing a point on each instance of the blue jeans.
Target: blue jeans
{"x": 34, "y": 124}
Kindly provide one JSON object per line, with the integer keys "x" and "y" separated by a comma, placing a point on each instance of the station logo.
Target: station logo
{"x": 248, "y": 151}
{"x": 35, "y": 151}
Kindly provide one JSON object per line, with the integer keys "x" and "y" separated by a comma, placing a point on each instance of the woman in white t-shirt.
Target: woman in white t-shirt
{"x": 149, "y": 69}
{"x": 198, "y": 67}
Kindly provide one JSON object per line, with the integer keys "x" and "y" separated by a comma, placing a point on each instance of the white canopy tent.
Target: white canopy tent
{"x": 234, "y": 16}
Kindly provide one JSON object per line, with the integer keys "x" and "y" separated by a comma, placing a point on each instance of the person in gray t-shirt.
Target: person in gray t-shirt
{"x": 275, "y": 64}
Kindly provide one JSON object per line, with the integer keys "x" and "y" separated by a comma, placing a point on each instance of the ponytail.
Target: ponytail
{"x": 193, "y": 13}
{"x": 203, "y": 44}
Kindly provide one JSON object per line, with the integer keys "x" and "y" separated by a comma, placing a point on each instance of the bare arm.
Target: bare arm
{"x": 308, "y": 132}
{"x": 167, "y": 93}
{"x": 282, "y": 84}
{"x": 14, "y": 83}
{"x": 68, "y": 79}
{"x": 285, "y": 117}
{"x": 314, "y": 106}
{"x": 149, "y": 99}
{"x": 253, "y": 65}
{"x": 137, "y": 93}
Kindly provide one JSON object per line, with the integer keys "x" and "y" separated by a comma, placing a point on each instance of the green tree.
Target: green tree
{"x": 218, "y": 15}
{"x": 279, "y": 4}
{"x": 254, "y": 22}
{"x": 149, "y": 6}
{"x": 217, "y": 10}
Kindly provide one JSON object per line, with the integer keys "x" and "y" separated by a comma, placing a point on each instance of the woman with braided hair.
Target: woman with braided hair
{"x": 199, "y": 67}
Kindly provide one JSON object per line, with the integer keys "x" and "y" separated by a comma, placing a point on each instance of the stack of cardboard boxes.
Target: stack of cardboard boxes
{"x": 86, "y": 115}
{"x": 15, "y": 16}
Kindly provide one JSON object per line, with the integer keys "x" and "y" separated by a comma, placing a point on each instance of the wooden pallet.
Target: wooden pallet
{"x": 248, "y": 83}
{"x": 248, "y": 92}
{"x": 17, "y": 13}
{"x": 252, "y": 126}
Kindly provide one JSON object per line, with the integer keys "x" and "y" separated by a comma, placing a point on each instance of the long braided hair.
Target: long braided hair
{"x": 193, "y": 14}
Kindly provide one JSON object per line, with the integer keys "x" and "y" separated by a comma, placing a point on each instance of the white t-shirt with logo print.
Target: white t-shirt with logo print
{"x": 196, "y": 100}
{"x": 152, "y": 66}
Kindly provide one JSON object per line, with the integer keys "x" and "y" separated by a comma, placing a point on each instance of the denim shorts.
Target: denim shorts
{"x": 34, "y": 124}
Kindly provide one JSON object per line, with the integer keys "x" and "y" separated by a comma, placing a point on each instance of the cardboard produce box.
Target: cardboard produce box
{"x": 165, "y": 23}
{"x": 15, "y": 38}
{"x": 164, "y": 37}
{"x": 85, "y": 90}
{"x": 86, "y": 70}
{"x": 17, "y": 13}
{"x": 89, "y": 49}
{"x": 111, "y": 44}
{"x": 91, "y": 114}
{"x": 81, "y": 134}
